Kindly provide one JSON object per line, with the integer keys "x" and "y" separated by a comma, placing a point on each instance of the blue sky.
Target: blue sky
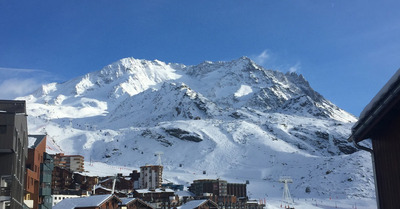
{"x": 347, "y": 50}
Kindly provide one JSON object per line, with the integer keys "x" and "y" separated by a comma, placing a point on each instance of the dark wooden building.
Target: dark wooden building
{"x": 380, "y": 122}
{"x": 200, "y": 204}
{"x": 134, "y": 203}
{"x": 238, "y": 190}
{"x": 154, "y": 195}
{"x": 216, "y": 187}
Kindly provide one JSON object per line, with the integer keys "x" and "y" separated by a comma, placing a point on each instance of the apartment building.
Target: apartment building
{"x": 150, "y": 176}
{"x": 74, "y": 163}
{"x": 215, "y": 187}
{"x": 13, "y": 153}
{"x": 218, "y": 187}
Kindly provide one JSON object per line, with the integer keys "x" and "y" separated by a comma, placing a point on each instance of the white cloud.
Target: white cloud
{"x": 19, "y": 70}
{"x": 295, "y": 68}
{"x": 261, "y": 58}
{"x": 14, "y": 87}
{"x": 15, "y": 82}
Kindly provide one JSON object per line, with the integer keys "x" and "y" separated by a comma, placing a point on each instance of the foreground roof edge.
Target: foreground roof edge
{"x": 377, "y": 108}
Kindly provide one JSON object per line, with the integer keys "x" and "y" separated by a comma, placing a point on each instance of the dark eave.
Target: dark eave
{"x": 379, "y": 109}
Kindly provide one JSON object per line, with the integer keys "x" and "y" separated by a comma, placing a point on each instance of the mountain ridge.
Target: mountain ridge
{"x": 218, "y": 117}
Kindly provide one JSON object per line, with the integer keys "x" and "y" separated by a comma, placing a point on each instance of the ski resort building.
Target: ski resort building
{"x": 200, "y": 204}
{"x": 150, "y": 176}
{"x": 161, "y": 196}
{"x": 216, "y": 187}
{"x": 66, "y": 182}
{"x": 134, "y": 203}
{"x": 380, "y": 122}
{"x": 39, "y": 167}
{"x": 93, "y": 202}
{"x": 73, "y": 163}
{"x": 13, "y": 153}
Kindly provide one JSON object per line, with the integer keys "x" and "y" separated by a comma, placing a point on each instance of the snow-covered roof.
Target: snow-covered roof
{"x": 184, "y": 193}
{"x": 92, "y": 201}
{"x": 381, "y": 94}
{"x": 375, "y": 108}
{"x": 143, "y": 191}
{"x": 126, "y": 201}
{"x": 192, "y": 204}
{"x": 34, "y": 140}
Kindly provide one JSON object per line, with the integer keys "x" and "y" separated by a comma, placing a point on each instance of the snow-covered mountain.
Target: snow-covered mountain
{"x": 234, "y": 120}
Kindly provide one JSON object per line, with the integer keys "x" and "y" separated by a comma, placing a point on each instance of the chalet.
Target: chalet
{"x": 157, "y": 198}
{"x": 99, "y": 190}
{"x": 199, "y": 204}
{"x": 380, "y": 122}
{"x": 122, "y": 183}
{"x": 92, "y": 202}
{"x": 134, "y": 203}
{"x": 154, "y": 195}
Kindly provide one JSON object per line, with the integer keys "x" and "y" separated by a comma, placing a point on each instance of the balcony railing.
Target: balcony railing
{"x": 44, "y": 191}
{"x": 5, "y": 191}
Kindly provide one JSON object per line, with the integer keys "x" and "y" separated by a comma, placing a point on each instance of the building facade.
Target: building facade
{"x": 36, "y": 150}
{"x": 134, "y": 203}
{"x": 74, "y": 163}
{"x": 46, "y": 170}
{"x": 150, "y": 177}
{"x": 238, "y": 190}
{"x": 215, "y": 187}
{"x": 13, "y": 153}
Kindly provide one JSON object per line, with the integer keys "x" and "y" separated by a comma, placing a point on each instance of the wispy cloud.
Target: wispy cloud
{"x": 20, "y": 70}
{"x": 12, "y": 88}
{"x": 271, "y": 60}
{"x": 15, "y": 82}
{"x": 295, "y": 68}
{"x": 261, "y": 58}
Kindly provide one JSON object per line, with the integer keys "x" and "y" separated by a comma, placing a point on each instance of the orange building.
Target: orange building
{"x": 36, "y": 149}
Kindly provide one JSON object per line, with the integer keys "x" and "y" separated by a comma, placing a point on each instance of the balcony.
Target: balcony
{"x": 45, "y": 191}
{"x": 5, "y": 191}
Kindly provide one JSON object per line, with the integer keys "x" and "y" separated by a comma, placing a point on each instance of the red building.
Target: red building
{"x": 36, "y": 150}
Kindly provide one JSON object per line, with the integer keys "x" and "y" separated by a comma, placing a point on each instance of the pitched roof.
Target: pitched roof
{"x": 143, "y": 191}
{"x": 379, "y": 106}
{"x": 126, "y": 201}
{"x": 34, "y": 140}
{"x": 194, "y": 204}
{"x": 92, "y": 201}
{"x": 184, "y": 193}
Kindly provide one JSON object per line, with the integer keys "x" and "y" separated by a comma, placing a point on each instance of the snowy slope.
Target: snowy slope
{"x": 234, "y": 120}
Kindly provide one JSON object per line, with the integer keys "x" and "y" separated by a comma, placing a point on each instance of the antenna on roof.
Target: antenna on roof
{"x": 158, "y": 154}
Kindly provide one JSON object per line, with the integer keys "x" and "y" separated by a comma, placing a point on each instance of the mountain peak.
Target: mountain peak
{"x": 223, "y": 117}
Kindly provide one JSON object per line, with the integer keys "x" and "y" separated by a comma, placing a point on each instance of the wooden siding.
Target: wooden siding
{"x": 386, "y": 147}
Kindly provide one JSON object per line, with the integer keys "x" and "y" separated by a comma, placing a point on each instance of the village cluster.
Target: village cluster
{"x": 32, "y": 178}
